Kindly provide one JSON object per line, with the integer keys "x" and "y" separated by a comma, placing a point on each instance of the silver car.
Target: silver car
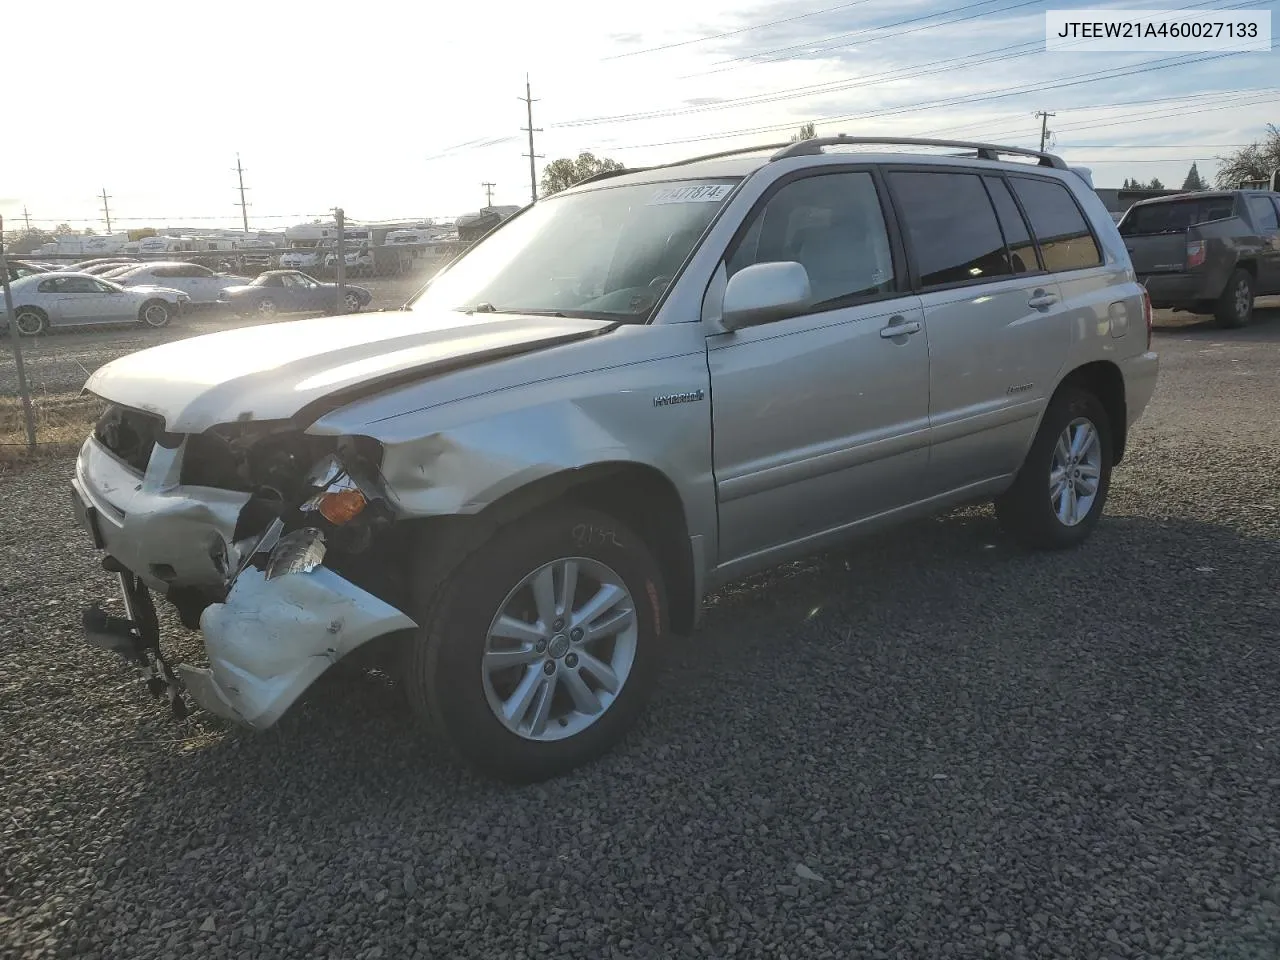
{"x": 58, "y": 299}
{"x": 201, "y": 284}
{"x": 516, "y": 491}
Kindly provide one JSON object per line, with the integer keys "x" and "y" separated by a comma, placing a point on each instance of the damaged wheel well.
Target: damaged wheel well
{"x": 638, "y": 495}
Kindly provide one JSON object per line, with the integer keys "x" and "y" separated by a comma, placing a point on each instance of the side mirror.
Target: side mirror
{"x": 764, "y": 292}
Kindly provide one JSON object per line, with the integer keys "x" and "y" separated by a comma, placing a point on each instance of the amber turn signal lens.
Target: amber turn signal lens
{"x": 342, "y": 505}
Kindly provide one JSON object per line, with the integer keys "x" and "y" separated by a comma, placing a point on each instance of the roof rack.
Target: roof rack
{"x": 982, "y": 151}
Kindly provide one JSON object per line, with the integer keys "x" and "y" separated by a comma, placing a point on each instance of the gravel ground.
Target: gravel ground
{"x": 62, "y": 361}
{"x": 929, "y": 744}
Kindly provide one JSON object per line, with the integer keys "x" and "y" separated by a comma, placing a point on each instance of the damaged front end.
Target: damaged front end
{"x": 273, "y": 543}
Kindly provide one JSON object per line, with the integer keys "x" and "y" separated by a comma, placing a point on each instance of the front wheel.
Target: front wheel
{"x": 155, "y": 313}
{"x": 1061, "y": 489}
{"x": 31, "y": 322}
{"x": 267, "y": 308}
{"x": 353, "y": 303}
{"x": 539, "y": 651}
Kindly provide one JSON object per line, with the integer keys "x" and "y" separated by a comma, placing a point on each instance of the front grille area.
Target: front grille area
{"x": 129, "y": 434}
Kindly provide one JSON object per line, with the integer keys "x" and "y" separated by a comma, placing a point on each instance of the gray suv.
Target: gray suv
{"x": 516, "y": 490}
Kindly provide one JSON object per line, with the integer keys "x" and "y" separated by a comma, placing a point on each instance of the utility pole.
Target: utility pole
{"x": 1044, "y": 127}
{"x": 488, "y": 193}
{"x": 26, "y": 216}
{"x": 531, "y": 130}
{"x": 340, "y": 221}
{"x": 244, "y": 207}
{"x": 23, "y": 390}
{"x": 106, "y": 209}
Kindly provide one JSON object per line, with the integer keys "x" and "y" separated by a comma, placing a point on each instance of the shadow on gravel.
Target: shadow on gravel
{"x": 1264, "y": 327}
{"x": 970, "y": 744}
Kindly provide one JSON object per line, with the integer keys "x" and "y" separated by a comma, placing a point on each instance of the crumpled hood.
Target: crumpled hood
{"x": 276, "y": 371}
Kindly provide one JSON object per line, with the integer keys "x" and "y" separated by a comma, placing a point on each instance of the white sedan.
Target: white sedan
{"x": 46, "y": 300}
{"x": 199, "y": 283}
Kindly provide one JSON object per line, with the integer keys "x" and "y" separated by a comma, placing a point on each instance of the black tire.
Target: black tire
{"x": 1235, "y": 307}
{"x": 155, "y": 313}
{"x": 266, "y": 308}
{"x": 352, "y": 302}
{"x": 1026, "y": 510}
{"x": 31, "y": 321}
{"x": 445, "y": 682}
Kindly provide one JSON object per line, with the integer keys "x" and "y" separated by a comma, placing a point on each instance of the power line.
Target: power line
{"x": 1027, "y": 47}
{"x": 809, "y": 47}
{"x": 998, "y": 94}
{"x": 1115, "y": 105}
{"x": 733, "y": 33}
{"x": 244, "y": 207}
{"x": 531, "y": 130}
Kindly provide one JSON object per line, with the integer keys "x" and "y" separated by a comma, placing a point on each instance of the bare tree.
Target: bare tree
{"x": 1254, "y": 162}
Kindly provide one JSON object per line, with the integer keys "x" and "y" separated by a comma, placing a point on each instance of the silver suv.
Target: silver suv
{"x": 518, "y": 489}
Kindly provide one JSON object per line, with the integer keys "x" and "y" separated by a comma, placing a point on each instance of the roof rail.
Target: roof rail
{"x": 722, "y": 153}
{"x": 982, "y": 151}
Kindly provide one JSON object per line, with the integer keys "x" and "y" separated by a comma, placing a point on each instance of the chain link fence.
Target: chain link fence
{"x": 64, "y": 338}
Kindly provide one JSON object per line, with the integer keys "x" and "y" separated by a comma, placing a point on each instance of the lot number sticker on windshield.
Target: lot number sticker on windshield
{"x": 700, "y": 193}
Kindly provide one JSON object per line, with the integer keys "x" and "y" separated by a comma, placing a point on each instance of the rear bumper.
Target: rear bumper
{"x": 1178, "y": 289}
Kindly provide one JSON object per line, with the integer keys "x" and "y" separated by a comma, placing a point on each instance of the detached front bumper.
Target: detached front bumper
{"x": 267, "y": 639}
{"x": 272, "y": 639}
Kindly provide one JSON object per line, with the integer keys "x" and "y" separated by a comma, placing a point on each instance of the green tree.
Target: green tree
{"x": 89, "y": 232}
{"x": 564, "y": 173}
{"x": 1254, "y": 162}
{"x": 806, "y": 133}
{"x": 63, "y": 230}
{"x": 1155, "y": 184}
{"x": 1193, "y": 181}
{"x": 26, "y": 242}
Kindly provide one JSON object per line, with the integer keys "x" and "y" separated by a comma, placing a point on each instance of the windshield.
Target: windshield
{"x": 608, "y": 252}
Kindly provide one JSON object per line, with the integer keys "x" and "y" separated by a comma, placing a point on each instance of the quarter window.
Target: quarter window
{"x": 951, "y": 226}
{"x": 1264, "y": 214}
{"x": 833, "y": 225}
{"x": 1066, "y": 242}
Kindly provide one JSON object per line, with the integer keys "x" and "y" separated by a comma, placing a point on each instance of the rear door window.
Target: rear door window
{"x": 951, "y": 227}
{"x": 1022, "y": 249}
{"x": 1066, "y": 242}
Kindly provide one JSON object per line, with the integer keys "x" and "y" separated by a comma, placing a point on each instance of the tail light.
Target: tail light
{"x": 1146, "y": 314}
{"x": 1195, "y": 253}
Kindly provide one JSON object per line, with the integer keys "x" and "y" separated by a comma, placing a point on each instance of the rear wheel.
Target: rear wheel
{"x": 1235, "y": 306}
{"x": 31, "y": 322}
{"x": 539, "y": 651}
{"x": 155, "y": 313}
{"x": 353, "y": 303}
{"x": 1060, "y": 492}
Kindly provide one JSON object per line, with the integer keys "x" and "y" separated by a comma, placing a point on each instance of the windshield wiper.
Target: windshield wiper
{"x": 483, "y": 307}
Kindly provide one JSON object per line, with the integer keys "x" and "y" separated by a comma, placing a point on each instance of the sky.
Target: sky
{"x": 390, "y": 110}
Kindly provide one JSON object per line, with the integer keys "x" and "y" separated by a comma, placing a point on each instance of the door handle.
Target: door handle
{"x": 899, "y": 327}
{"x": 1042, "y": 300}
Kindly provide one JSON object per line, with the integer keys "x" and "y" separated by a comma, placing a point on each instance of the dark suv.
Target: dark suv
{"x": 1210, "y": 253}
